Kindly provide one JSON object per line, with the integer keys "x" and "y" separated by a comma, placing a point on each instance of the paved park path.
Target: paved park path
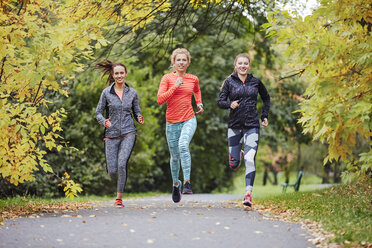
{"x": 199, "y": 220}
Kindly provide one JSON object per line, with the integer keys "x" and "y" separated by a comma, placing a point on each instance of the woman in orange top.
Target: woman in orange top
{"x": 176, "y": 89}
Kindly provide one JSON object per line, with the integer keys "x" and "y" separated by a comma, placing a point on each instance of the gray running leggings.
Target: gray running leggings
{"x": 118, "y": 151}
{"x": 248, "y": 138}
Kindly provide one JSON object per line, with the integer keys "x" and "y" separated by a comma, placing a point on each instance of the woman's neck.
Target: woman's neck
{"x": 242, "y": 77}
{"x": 180, "y": 74}
{"x": 119, "y": 86}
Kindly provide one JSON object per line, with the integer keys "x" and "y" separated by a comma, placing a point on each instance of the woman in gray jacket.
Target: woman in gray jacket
{"x": 119, "y": 101}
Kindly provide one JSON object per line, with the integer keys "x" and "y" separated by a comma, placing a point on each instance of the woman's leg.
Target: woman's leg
{"x": 251, "y": 137}
{"x": 173, "y": 131}
{"x": 126, "y": 147}
{"x": 111, "y": 153}
{"x": 235, "y": 141}
{"x": 187, "y": 132}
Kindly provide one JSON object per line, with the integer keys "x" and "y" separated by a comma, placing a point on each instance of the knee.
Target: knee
{"x": 233, "y": 162}
{"x": 112, "y": 173}
{"x": 183, "y": 146}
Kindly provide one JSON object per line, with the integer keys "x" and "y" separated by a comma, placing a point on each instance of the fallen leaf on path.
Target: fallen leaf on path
{"x": 196, "y": 238}
{"x": 258, "y": 232}
{"x": 84, "y": 221}
{"x": 150, "y": 241}
{"x": 218, "y": 223}
{"x": 132, "y": 230}
{"x": 226, "y": 228}
{"x": 124, "y": 224}
{"x": 92, "y": 216}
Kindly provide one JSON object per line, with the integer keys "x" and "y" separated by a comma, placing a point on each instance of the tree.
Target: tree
{"x": 38, "y": 59}
{"x": 332, "y": 50}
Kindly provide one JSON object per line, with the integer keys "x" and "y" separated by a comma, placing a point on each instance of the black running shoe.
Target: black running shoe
{"x": 176, "y": 193}
{"x": 186, "y": 188}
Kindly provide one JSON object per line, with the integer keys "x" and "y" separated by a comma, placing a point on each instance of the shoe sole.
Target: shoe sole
{"x": 247, "y": 204}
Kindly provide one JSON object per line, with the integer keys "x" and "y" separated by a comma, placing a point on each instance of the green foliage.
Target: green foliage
{"x": 332, "y": 50}
{"x": 37, "y": 59}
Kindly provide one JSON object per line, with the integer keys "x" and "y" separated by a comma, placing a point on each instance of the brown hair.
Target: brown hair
{"x": 107, "y": 67}
{"x": 180, "y": 51}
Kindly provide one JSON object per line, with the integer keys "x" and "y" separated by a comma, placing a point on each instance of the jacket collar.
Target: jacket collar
{"x": 235, "y": 76}
{"x": 112, "y": 89}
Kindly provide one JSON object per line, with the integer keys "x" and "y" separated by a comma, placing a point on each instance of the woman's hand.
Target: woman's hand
{"x": 179, "y": 81}
{"x": 201, "y": 109}
{"x": 141, "y": 120}
{"x": 265, "y": 122}
{"x": 108, "y": 122}
{"x": 234, "y": 104}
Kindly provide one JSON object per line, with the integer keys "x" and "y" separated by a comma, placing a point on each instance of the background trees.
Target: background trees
{"x": 40, "y": 68}
{"x": 332, "y": 50}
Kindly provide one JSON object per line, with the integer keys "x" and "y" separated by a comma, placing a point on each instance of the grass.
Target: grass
{"x": 344, "y": 210}
{"x": 309, "y": 182}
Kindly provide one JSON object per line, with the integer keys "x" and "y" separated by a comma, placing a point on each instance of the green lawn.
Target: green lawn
{"x": 308, "y": 183}
{"x": 345, "y": 210}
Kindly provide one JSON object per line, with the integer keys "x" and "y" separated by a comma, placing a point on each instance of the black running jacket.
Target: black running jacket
{"x": 246, "y": 115}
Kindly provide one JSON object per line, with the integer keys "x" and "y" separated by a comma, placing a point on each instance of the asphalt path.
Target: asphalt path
{"x": 199, "y": 220}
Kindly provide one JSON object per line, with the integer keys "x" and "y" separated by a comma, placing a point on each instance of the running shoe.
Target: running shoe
{"x": 247, "y": 200}
{"x": 119, "y": 203}
{"x": 176, "y": 193}
{"x": 186, "y": 188}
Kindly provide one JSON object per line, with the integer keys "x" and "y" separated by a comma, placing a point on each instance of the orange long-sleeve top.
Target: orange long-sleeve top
{"x": 178, "y": 100}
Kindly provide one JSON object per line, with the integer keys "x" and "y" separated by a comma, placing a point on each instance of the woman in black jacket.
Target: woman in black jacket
{"x": 239, "y": 94}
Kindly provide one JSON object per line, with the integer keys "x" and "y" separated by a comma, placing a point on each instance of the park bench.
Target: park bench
{"x": 296, "y": 185}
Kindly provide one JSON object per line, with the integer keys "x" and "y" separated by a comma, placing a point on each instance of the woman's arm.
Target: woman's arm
{"x": 101, "y": 108}
{"x": 197, "y": 96}
{"x": 266, "y": 100}
{"x": 164, "y": 92}
{"x": 136, "y": 108}
{"x": 224, "y": 94}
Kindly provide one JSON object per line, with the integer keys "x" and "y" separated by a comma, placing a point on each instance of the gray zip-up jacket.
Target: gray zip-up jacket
{"x": 119, "y": 111}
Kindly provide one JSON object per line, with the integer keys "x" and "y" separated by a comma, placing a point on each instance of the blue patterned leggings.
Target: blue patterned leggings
{"x": 179, "y": 136}
{"x": 248, "y": 137}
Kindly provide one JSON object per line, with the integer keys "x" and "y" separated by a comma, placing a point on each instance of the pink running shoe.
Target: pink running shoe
{"x": 119, "y": 203}
{"x": 247, "y": 200}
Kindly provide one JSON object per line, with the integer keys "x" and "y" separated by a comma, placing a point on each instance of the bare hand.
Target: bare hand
{"x": 201, "y": 110}
{"x": 234, "y": 104}
{"x": 141, "y": 120}
{"x": 108, "y": 122}
{"x": 265, "y": 122}
{"x": 179, "y": 81}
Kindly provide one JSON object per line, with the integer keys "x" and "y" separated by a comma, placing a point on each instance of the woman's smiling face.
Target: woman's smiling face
{"x": 119, "y": 74}
{"x": 242, "y": 66}
{"x": 181, "y": 63}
